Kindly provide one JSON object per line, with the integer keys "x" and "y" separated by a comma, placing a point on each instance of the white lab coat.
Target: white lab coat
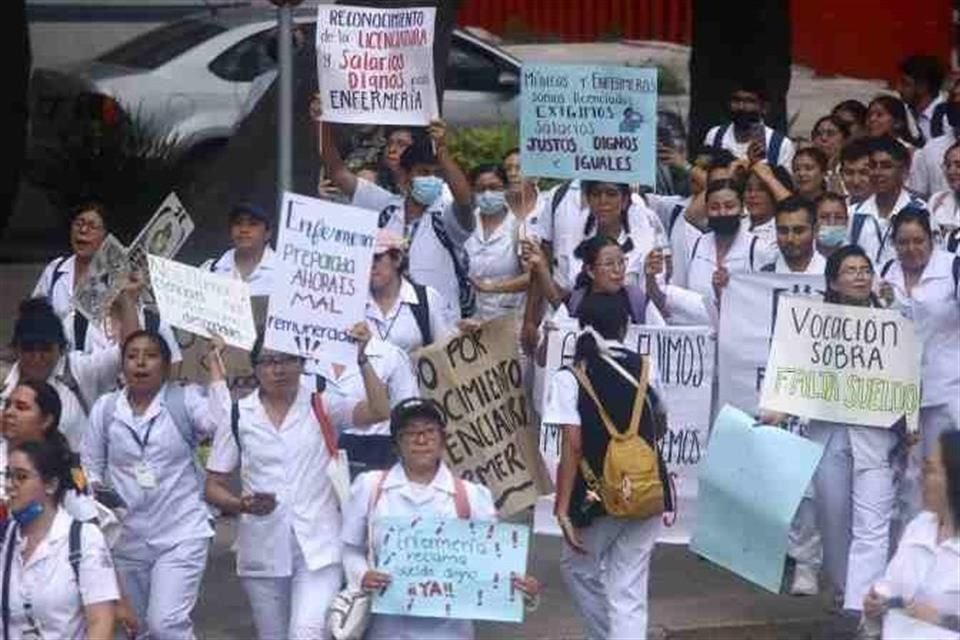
{"x": 746, "y": 255}
{"x": 495, "y": 257}
{"x": 400, "y": 497}
{"x": 262, "y": 280}
{"x": 886, "y": 251}
{"x": 926, "y": 170}
{"x": 399, "y": 326}
{"x": 945, "y": 212}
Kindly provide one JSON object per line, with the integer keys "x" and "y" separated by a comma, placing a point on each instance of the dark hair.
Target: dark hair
{"x": 951, "y": 149}
{"x": 589, "y": 186}
{"x": 509, "y": 153}
{"x": 588, "y": 251}
{"x": 816, "y": 155}
{"x": 798, "y": 203}
{"x": 830, "y": 196}
{"x": 913, "y": 214}
{"x": 856, "y": 149}
{"x": 37, "y": 323}
{"x": 928, "y": 70}
{"x": 898, "y": 111}
{"x": 750, "y": 85}
{"x": 481, "y": 169}
{"x": 891, "y": 146}
{"x": 720, "y": 158}
{"x": 950, "y": 454}
{"x": 854, "y": 107}
{"x": 832, "y": 271}
{"x": 53, "y": 460}
{"x": 722, "y": 185}
{"x": 608, "y": 314}
{"x": 47, "y": 400}
{"x": 835, "y": 121}
{"x": 87, "y": 205}
{"x": 154, "y": 337}
{"x": 420, "y": 152}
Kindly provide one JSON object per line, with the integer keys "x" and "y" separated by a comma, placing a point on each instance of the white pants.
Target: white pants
{"x": 609, "y": 584}
{"x": 933, "y": 421}
{"x": 855, "y": 497}
{"x": 803, "y": 541}
{"x": 162, "y": 584}
{"x": 295, "y": 606}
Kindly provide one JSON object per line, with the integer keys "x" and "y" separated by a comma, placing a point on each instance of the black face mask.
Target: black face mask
{"x": 743, "y": 119}
{"x": 953, "y": 114}
{"x": 724, "y": 225}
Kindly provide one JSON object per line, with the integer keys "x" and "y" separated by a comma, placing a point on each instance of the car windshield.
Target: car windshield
{"x": 161, "y": 45}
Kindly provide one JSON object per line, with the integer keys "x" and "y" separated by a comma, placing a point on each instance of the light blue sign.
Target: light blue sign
{"x": 447, "y": 568}
{"x": 588, "y": 122}
{"x": 751, "y": 483}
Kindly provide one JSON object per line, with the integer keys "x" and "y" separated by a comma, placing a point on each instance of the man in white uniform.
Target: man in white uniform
{"x": 919, "y": 86}
{"x": 927, "y": 175}
{"x": 747, "y": 107}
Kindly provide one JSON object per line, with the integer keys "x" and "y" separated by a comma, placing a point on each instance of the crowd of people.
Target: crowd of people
{"x": 111, "y": 513}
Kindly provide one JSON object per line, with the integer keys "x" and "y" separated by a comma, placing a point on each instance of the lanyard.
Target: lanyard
{"x": 146, "y": 436}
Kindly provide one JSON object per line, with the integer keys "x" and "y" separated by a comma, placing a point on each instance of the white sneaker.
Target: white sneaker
{"x": 805, "y": 582}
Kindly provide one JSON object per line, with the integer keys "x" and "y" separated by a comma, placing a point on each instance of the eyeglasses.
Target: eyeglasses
{"x": 277, "y": 361}
{"x": 18, "y": 476}
{"x": 613, "y": 265}
{"x": 430, "y": 434}
{"x": 81, "y": 224}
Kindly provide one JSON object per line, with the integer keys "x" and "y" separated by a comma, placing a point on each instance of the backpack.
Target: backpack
{"x": 630, "y": 485}
{"x": 773, "y": 148}
{"x": 176, "y": 404}
{"x": 953, "y": 242}
{"x": 421, "y": 313}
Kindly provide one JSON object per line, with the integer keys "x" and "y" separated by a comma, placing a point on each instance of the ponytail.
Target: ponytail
{"x": 53, "y": 460}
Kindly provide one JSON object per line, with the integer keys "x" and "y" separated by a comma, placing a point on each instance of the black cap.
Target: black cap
{"x": 250, "y": 209}
{"x": 411, "y": 408}
{"x": 37, "y": 323}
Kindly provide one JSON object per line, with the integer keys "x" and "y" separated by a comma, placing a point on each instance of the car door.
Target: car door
{"x": 481, "y": 88}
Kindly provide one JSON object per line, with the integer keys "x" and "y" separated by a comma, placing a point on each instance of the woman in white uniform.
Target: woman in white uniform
{"x": 945, "y": 205}
{"x": 57, "y": 573}
{"x": 288, "y": 551}
{"x": 141, "y": 443}
{"x": 923, "y": 282}
{"x": 605, "y": 559}
{"x": 855, "y": 483}
{"x": 419, "y": 484}
{"x": 924, "y": 574}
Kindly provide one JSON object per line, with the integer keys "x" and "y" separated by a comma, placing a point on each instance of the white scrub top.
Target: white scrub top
{"x": 886, "y": 251}
{"x": 739, "y": 149}
{"x": 146, "y": 460}
{"x": 47, "y": 584}
{"x": 945, "y": 212}
{"x": 392, "y": 366}
{"x": 816, "y": 266}
{"x": 262, "y": 279}
{"x": 98, "y": 339}
{"x": 926, "y": 170}
{"x": 290, "y": 462}
{"x": 495, "y": 257}
{"x": 935, "y": 310}
{"x": 94, "y": 374}
{"x": 766, "y": 232}
{"x": 399, "y": 326}
{"x": 740, "y": 258}
{"x": 56, "y": 284}
{"x": 400, "y": 497}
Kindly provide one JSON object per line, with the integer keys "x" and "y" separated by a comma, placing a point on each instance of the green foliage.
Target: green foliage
{"x": 473, "y": 146}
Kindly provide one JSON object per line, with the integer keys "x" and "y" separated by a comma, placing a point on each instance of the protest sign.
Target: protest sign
{"x": 847, "y": 364}
{"x": 683, "y": 358}
{"x": 105, "y": 276}
{"x": 441, "y": 568}
{"x": 897, "y": 625}
{"x": 376, "y": 65}
{"x": 752, "y": 479}
{"x": 746, "y": 327}
{"x": 203, "y": 302}
{"x": 588, "y": 122}
{"x": 477, "y": 379}
{"x": 324, "y": 251}
{"x": 162, "y": 236}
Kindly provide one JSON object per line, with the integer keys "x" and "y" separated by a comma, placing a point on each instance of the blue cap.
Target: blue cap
{"x": 250, "y": 209}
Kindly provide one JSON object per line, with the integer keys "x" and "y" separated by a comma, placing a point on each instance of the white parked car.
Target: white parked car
{"x": 192, "y": 79}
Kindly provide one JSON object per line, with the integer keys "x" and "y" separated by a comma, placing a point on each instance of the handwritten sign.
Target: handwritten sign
{"x": 376, "y": 65}
{"x": 853, "y": 365}
{"x": 683, "y": 358}
{"x": 451, "y": 568}
{"x": 478, "y": 380}
{"x": 203, "y": 302}
{"x": 325, "y": 251}
{"x": 593, "y": 123}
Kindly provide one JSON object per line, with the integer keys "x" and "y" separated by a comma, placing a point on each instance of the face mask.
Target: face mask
{"x": 743, "y": 119}
{"x": 832, "y": 235}
{"x": 426, "y": 189}
{"x": 953, "y": 115}
{"x": 491, "y": 203}
{"x": 28, "y": 514}
{"x": 724, "y": 225}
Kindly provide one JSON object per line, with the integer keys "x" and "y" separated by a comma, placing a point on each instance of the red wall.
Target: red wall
{"x": 835, "y": 37}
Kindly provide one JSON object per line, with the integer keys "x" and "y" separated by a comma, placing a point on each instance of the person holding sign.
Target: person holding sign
{"x": 855, "y": 482}
{"x": 924, "y": 573}
{"x": 420, "y": 484}
{"x": 612, "y": 484}
{"x": 288, "y": 552}
{"x": 142, "y": 444}
{"x": 251, "y": 259}
{"x": 923, "y": 282}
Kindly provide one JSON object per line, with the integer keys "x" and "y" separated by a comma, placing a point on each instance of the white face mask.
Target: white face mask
{"x": 490, "y": 203}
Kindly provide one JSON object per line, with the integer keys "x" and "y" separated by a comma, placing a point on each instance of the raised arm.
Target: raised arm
{"x": 336, "y": 170}
{"x": 376, "y": 408}
{"x": 456, "y": 179}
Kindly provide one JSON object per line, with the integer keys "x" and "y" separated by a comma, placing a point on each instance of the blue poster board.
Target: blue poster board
{"x": 588, "y": 122}
{"x": 448, "y": 568}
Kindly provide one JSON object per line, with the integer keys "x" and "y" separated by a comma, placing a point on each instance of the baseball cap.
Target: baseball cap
{"x": 387, "y": 240}
{"x": 411, "y": 408}
{"x": 250, "y": 209}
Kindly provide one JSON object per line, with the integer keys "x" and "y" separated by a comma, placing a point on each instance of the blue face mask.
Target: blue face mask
{"x": 490, "y": 203}
{"x": 28, "y": 514}
{"x": 832, "y": 235}
{"x": 426, "y": 189}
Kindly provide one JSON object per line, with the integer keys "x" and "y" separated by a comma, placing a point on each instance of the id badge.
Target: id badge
{"x": 145, "y": 476}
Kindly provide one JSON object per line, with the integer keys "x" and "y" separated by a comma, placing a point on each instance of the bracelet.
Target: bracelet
{"x": 362, "y": 360}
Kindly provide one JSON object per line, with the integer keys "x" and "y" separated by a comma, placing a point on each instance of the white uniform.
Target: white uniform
{"x": 401, "y": 497}
{"x": 925, "y": 118}
{"x": 91, "y": 375}
{"x": 926, "y": 171}
{"x": 162, "y": 551}
{"x": 46, "y": 596}
{"x": 399, "y": 326}
{"x": 739, "y": 149}
{"x": 289, "y": 560}
{"x": 886, "y": 250}
{"x": 945, "y": 212}
{"x": 495, "y": 257}
{"x": 934, "y": 307}
{"x": 56, "y": 284}
{"x": 815, "y": 267}
{"x": 682, "y": 234}
{"x": 765, "y": 232}
{"x": 745, "y": 255}
{"x": 98, "y": 339}
{"x": 262, "y": 279}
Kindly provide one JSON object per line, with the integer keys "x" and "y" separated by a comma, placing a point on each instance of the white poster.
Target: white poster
{"x": 746, "y": 327}
{"x": 683, "y": 358}
{"x": 202, "y": 302}
{"x": 853, "y": 365}
{"x": 325, "y": 251}
{"x": 897, "y": 625}
{"x": 376, "y": 65}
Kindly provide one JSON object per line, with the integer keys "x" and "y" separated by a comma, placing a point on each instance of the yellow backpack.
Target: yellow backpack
{"x": 630, "y": 486}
